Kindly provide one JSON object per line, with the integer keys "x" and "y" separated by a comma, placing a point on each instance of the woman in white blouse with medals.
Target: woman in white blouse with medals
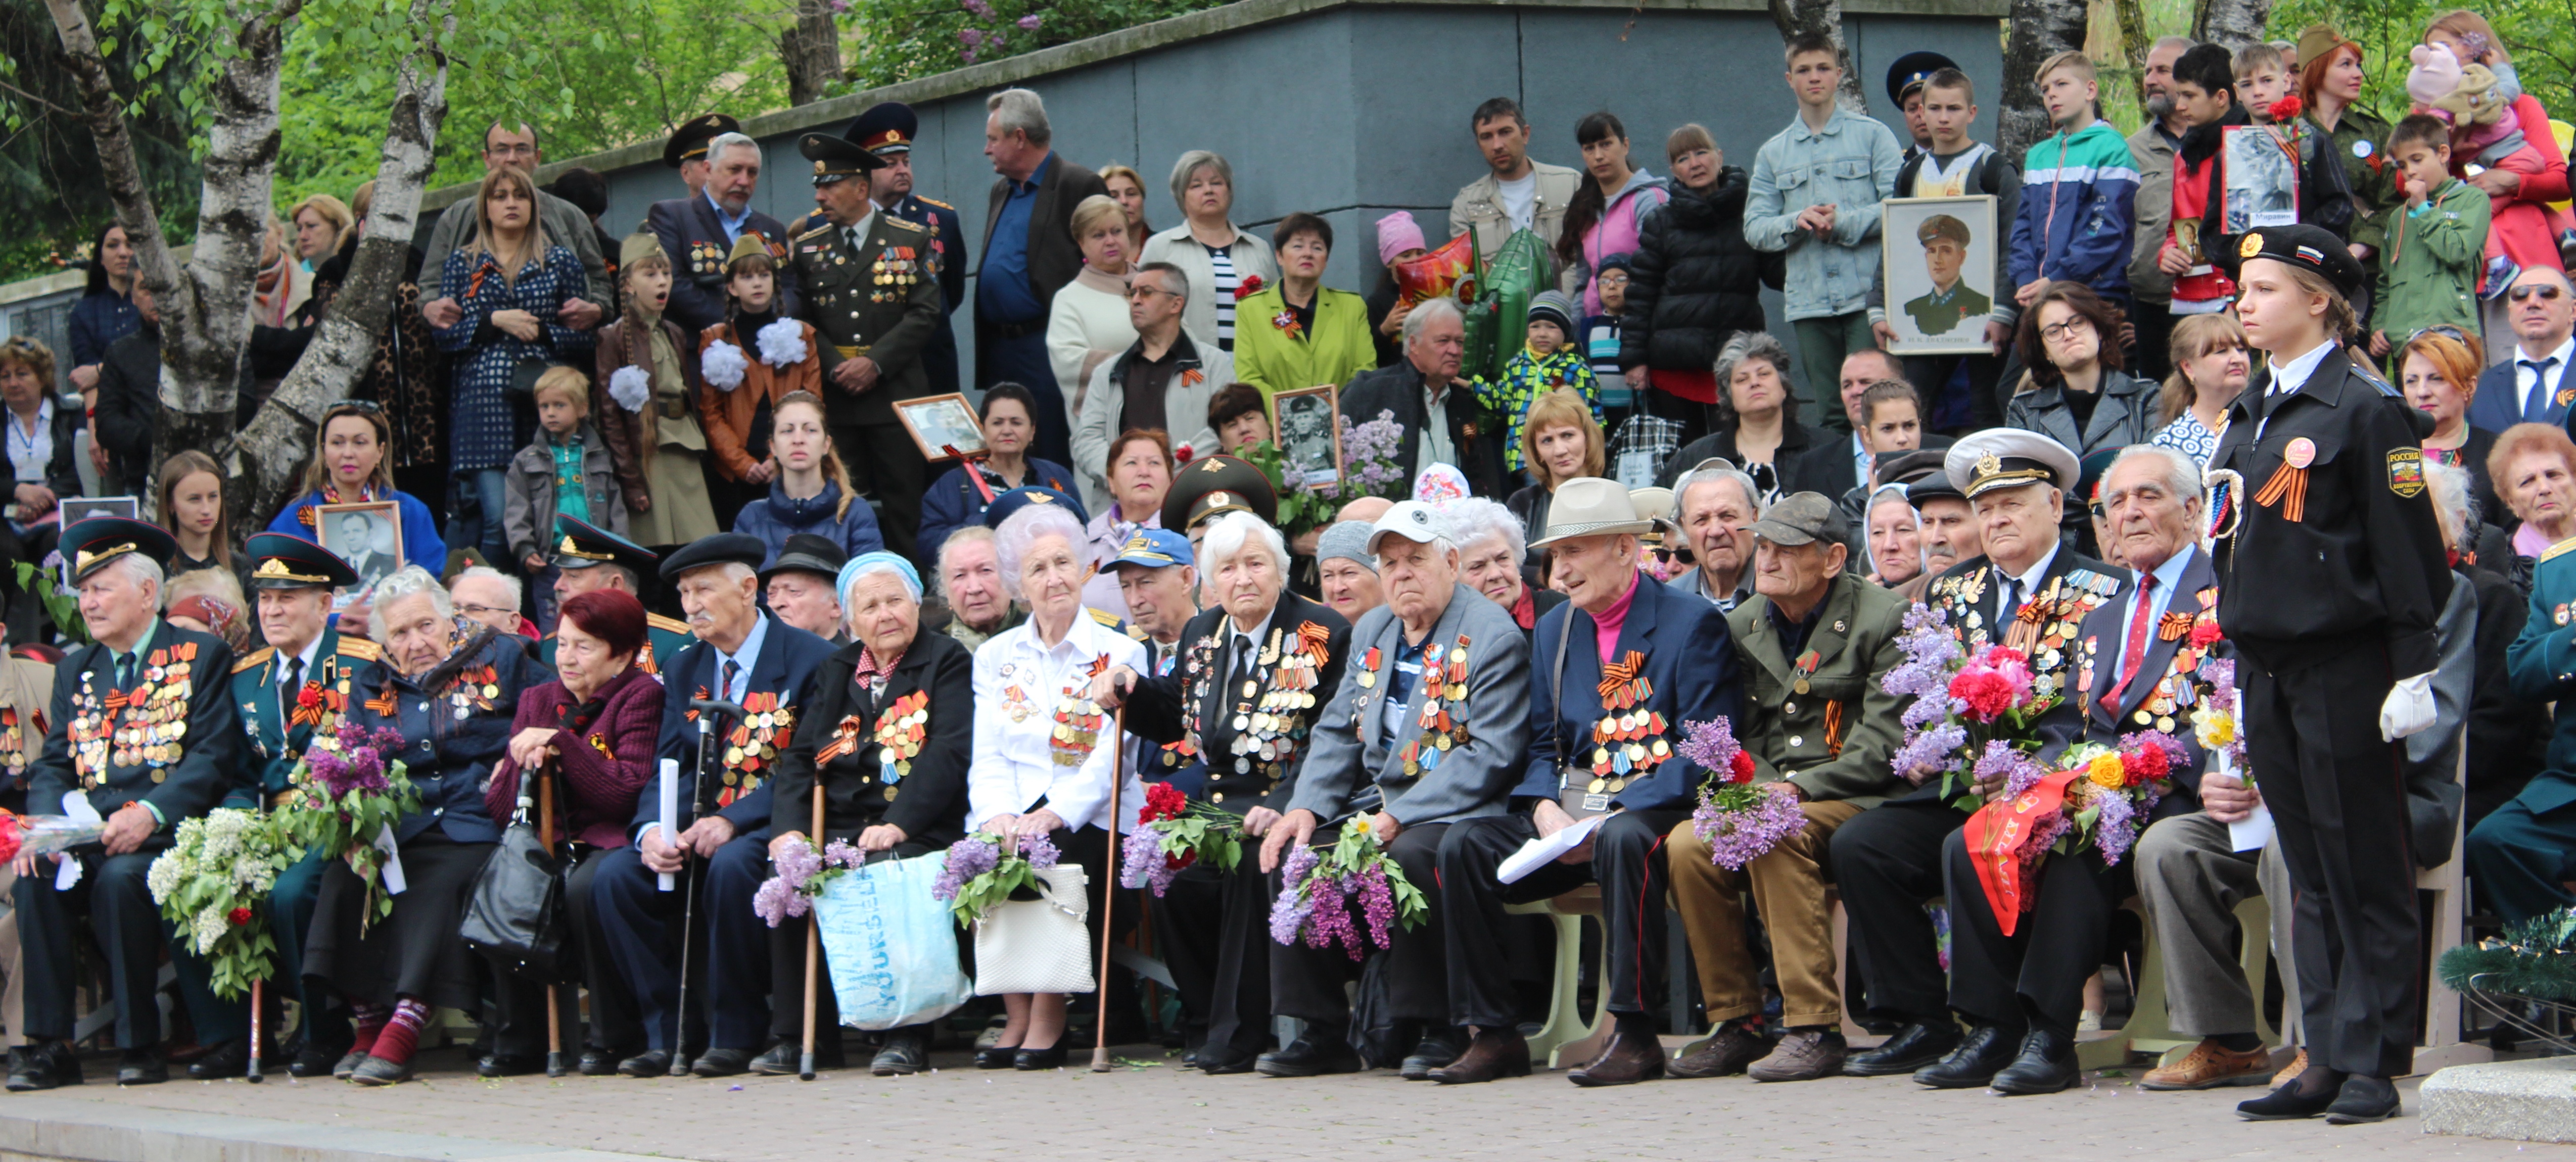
{"x": 1042, "y": 749}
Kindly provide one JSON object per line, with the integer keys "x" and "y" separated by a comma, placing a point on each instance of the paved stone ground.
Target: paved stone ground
{"x": 1165, "y": 1113}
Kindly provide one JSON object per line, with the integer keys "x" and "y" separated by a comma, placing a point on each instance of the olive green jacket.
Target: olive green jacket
{"x": 1838, "y": 738}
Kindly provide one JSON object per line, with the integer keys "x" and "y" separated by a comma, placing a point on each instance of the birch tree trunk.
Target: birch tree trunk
{"x": 1824, "y": 18}
{"x": 268, "y": 459}
{"x": 811, "y": 49}
{"x": 2040, "y": 29}
{"x": 2231, "y": 24}
{"x": 2134, "y": 44}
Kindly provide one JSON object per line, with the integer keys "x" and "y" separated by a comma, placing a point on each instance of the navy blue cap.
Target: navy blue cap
{"x": 1025, "y": 495}
{"x": 93, "y": 543}
{"x": 1913, "y": 69}
{"x": 287, "y": 561}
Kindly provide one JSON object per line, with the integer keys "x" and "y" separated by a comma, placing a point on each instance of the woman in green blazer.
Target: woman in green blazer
{"x": 1298, "y": 333}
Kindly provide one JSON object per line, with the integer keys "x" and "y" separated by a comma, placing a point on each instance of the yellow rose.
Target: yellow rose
{"x": 2106, "y": 772}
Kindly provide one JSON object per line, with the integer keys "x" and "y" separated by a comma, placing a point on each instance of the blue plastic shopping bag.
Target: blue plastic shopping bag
{"x": 891, "y": 946}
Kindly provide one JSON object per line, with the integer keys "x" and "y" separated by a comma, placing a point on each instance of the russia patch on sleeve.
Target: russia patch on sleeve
{"x": 2406, "y": 472}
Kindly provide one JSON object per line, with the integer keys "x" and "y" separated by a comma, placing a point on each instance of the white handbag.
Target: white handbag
{"x": 1041, "y": 945}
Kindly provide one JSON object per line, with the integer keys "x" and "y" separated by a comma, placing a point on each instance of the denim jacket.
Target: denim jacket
{"x": 1851, "y": 164}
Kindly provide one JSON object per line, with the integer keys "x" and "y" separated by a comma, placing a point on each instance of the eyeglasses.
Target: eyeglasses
{"x": 2448, "y": 331}
{"x": 1142, "y": 289}
{"x": 2056, "y": 331}
{"x": 479, "y": 612}
{"x": 2544, "y": 290}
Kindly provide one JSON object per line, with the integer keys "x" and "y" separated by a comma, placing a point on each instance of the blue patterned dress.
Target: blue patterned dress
{"x": 491, "y": 423}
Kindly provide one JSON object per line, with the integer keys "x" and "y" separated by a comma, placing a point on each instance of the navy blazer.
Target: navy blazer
{"x": 449, "y": 758}
{"x": 1690, "y": 662}
{"x": 2498, "y": 406}
{"x": 788, "y": 656}
{"x": 2098, "y": 646}
{"x": 694, "y": 240}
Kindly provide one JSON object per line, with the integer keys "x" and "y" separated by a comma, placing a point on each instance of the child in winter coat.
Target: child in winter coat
{"x": 2428, "y": 272}
{"x": 648, "y": 374}
{"x": 566, "y": 471}
{"x": 2478, "y": 105}
{"x": 750, "y": 362}
{"x": 1550, "y": 360}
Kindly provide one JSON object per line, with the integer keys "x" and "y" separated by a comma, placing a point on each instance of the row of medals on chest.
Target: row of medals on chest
{"x": 1267, "y": 724}
{"x": 1628, "y": 743}
{"x": 140, "y": 727}
{"x": 2047, "y": 651}
{"x": 1444, "y": 706}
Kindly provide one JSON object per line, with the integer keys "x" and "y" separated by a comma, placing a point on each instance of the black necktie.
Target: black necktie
{"x": 286, "y": 689}
{"x": 125, "y": 672}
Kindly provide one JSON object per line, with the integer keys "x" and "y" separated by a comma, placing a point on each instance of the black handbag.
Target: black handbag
{"x": 516, "y": 917}
{"x": 523, "y": 378}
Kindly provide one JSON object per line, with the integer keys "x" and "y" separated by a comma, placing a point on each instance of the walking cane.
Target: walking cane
{"x": 546, "y": 839}
{"x": 708, "y": 709}
{"x": 813, "y": 941}
{"x": 1109, "y": 895}
{"x": 256, "y": 1000}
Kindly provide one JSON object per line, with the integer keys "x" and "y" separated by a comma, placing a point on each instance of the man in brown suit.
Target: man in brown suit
{"x": 1029, "y": 254}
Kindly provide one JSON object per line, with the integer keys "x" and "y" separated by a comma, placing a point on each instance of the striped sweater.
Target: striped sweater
{"x": 2078, "y": 211}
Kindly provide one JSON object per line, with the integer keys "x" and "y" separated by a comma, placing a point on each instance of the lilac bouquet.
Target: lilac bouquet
{"x": 1963, "y": 706}
{"x": 980, "y": 873}
{"x": 1739, "y": 819}
{"x": 1318, "y": 889}
{"x": 1369, "y": 458}
{"x": 349, "y": 795}
{"x": 798, "y": 873}
{"x": 1171, "y": 834}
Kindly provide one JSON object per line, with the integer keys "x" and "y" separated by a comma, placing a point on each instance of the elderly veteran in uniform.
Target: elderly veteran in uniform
{"x": 2330, "y": 583}
{"x": 1255, "y": 671}
{"x": 2137, "y": 669}
{"x": 1717, "y": 506}
{"x": 798, "y": 586}
{"x": 588, "y": 557}
{"x": 1040, "y": 770}
{"x": 290, "y": 692}
{"x": 887, "y": 130}
{"x": 1426, "y": 729}
{"x": 450, "y": 696}
{"x": 1813, "y": 644}
{"x": 745, "y": 656}
{"x": 144, "y": 732}
{"x": 872, "y": 293}
{"x": 887, "y": 729}
{"x": 698, "y": 233}
{"x": 2027, "y": 592}
{"x": 1606, "y": 711}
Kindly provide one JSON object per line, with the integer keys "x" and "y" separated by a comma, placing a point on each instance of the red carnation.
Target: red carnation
{"x": 2145, "y": 764}
{"x": 239, "y": 916}
{"x": 1741, "y": 770}
{"x": 1250, "y": 286}
{"x": 1181, "y": 859}
{"x": 2286, "y": 109}
{"x": 310, "y": 696}
{"x": 1988, "y": 694}
{"x": 1164, "y": 801}
{"x": 2204, "y": 634}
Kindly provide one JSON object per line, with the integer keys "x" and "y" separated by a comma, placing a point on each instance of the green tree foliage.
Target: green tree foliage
{"x": 2539, "y": 34}
{"x": 50, "y": 188}
{"x": 899, "y": 40}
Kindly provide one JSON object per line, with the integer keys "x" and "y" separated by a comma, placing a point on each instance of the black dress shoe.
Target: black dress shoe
{"x": 1215, "y": 1066}
{"x": 904, "y": 1054}
{"x": 2362, "y": 1099}
{"x": 33, "y": 1068}
{"x": 2294, "y": 1100}
{"x": 1626, "y": 1060}
{"x": 1973, "y": 1064}
{"x": 1438, "y": 1048}
{"x": 491, "y": 1065}
{"x": 649, "y": 1063}
{"x": 598, "y": 1062}
{"x": 377, "y": 1071}
{"x": 996, "y": 1056}
{"x": 142, "y": 1067}
{"x": 230, "y": 1059}
{"x": 783, "y": 1059}
{"x": 1031, "y": 1060}
{"x": 2046, "y": 1065}
{"x": 1913, "y": 1047}
{"x": 721, "y": 1063}
{"x": 1310, "y": 1056}
{"x": 313, "y": 1061}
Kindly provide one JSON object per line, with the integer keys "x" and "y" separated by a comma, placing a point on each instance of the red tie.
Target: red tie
{"x": 2135, "y": 651}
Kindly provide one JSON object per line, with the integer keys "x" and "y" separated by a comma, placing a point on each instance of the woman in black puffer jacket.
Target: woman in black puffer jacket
{"x": 1693, "y": 283}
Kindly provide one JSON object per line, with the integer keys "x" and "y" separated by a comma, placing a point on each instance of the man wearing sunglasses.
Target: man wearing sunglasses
{"x": 2532, "y": 386}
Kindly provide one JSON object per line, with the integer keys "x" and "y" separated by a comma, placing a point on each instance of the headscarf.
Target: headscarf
{"x": 877, "y": 562}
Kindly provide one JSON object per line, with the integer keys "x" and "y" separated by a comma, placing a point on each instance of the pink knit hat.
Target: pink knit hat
{"x": 1397, "y": 233}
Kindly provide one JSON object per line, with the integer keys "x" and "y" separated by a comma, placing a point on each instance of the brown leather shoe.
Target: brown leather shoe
{"x": 1494, "y": 1053}
{"x": 1725, "y": 1054}
{"x": 1803, "y": 1055}
{"x": 1627, "y": 1060}
{"x": 2291, "y": 1072}
{"x": 2211, "y": 1066}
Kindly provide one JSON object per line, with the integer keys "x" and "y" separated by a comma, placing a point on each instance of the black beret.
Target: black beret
{"x": 2301, "y": 245}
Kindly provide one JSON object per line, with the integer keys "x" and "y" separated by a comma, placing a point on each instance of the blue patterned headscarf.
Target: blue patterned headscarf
{"x": 878, "y": 562}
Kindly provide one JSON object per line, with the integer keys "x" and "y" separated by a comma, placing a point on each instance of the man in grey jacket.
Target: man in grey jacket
{"x": 1428, "y": 728}
{"x": 1518, "y": 194}
{"x": 564, "y": 225}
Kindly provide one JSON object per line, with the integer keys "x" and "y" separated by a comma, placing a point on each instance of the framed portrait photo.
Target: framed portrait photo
{"x": 1307, "y": 422}
{"x": 939, "y": 423}
{"x": 368, "y": 535}
{"x": 1940, "y": 256}
{"x": 2262, "y": 181}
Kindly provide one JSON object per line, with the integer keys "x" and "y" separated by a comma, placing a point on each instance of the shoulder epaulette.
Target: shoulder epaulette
{"x": 360, "y": 648}
{"x": 255, "y": 660}
{"x": 907, "y": 224}
{"x": 934, "y": 202}
{"x": 674, "y": 625}
{"x": 1110, "y": 620}
{"x": 1136, "y": 633}
{"x": 2373, "y": 378}
{"x": 816, "y": 232}
{"x": 2557, "y": 550}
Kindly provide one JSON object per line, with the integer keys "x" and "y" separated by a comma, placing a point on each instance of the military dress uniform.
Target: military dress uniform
{"x": 1887, "y": 860}
{"x": 2331, "y": 579}
{"x": 888, "y": 129}
{"x": 286, "y": 701}
{"x": 871, "y": 290}
{"x": 1239, "y": 709}
{"x": 582, "y": 545}
{"x": 692, "y": 235}
{"x": 153, "y": 725}
{"x": 1940, "y": 312}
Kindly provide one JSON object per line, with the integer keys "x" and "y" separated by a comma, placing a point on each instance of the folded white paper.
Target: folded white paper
{"x": 665, "y": 881}
{"x": 1544, "y": 849}
{"x": 393, "y": 873}
{"x": 2251, "y": 832}
{"x": 76, "y": 805}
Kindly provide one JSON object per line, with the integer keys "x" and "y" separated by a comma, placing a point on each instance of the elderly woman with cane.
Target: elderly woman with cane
{"x": 449, "y": 696}
{"x": 882, "y": 748}
{"x": 1040, "y": 774}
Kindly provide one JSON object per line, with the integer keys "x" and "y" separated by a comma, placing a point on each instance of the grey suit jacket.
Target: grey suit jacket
{"x": 1350, "y": 746}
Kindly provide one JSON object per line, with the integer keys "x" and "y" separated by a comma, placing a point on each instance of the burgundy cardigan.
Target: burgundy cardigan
{"x": 598, "y": 790}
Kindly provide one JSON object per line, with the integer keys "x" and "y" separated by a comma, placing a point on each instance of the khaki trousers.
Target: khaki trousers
{"x": 1788, "y": 886}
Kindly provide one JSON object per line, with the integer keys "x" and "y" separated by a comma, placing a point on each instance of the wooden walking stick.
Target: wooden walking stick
{"x": 256, "y": 1000}
{"x": 1109, "y": 895}
{"x": 813, "y": 941}
{"x": 546, "y": 839}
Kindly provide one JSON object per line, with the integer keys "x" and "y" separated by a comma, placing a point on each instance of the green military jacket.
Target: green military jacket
{"x": 1822, "y": 720}
{"x": 880, "y": 300}
{"x": 280, "y": 726}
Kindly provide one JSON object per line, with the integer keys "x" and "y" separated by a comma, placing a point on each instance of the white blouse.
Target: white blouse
{"x": 1020, "y": 685}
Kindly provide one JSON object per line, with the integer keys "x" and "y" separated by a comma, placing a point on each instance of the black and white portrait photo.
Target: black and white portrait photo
{"x": 2262, "y": 181}
{"x": 940, "y": 423}
{"x": 367, "y": 535}
{"x": 1310, "y": 444}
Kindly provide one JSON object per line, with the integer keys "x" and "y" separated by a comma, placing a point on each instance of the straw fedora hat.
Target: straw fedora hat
{"x": 1588, "y": 506}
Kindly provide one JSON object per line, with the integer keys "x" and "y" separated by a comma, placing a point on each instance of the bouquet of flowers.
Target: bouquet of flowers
{"x": 44, "y": 834}
{"x": 1172, "y": 834}
{"x": 348, "y": 798}
{"x": 798, "y": 875}
{"x": 1740, "y": 820}
{"x": 2097, "y": 795}
{"x": 1964, "y": 707}
{"x": 2218, "y": 722}
{"x": 209, "y": 884}
{"x": 981, "y": 872}
{"x": 1316, "y": 893}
